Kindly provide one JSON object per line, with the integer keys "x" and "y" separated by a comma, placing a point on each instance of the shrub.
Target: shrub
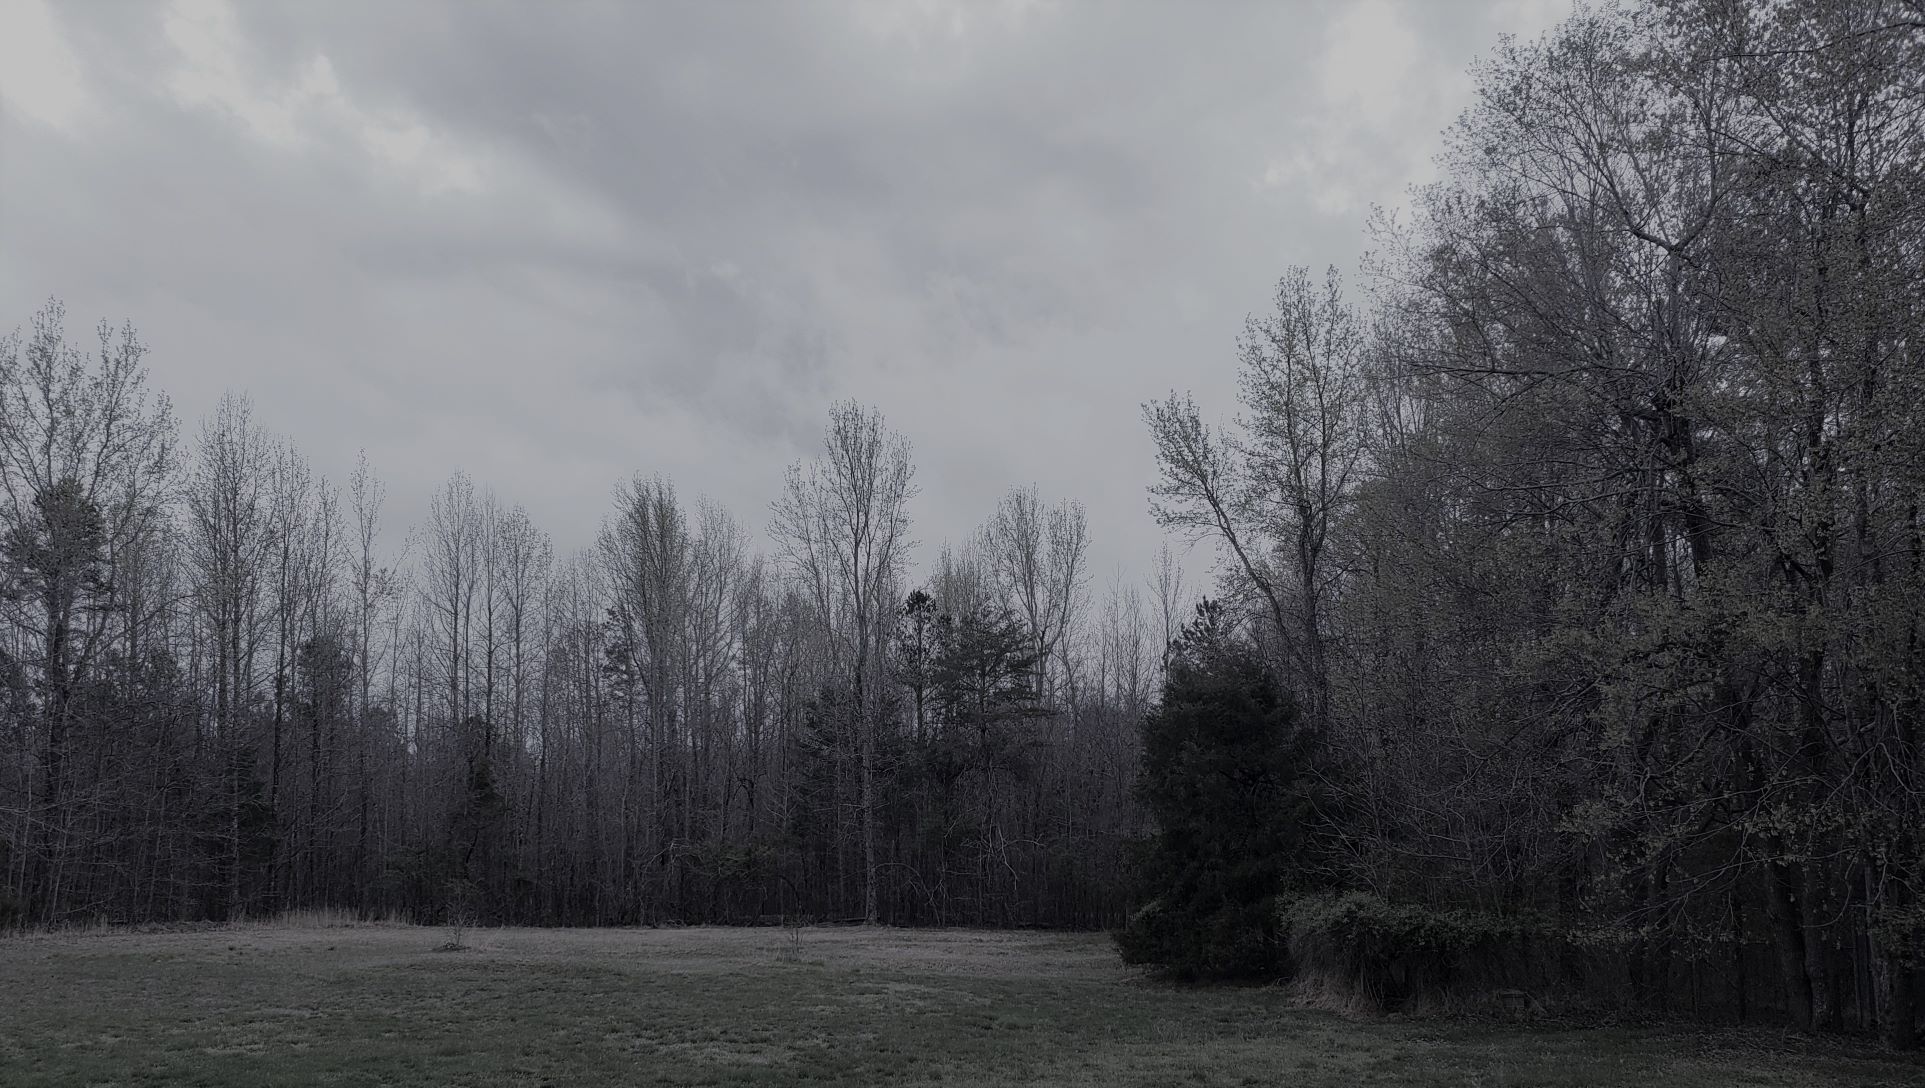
{"x": 1360, "y": 952}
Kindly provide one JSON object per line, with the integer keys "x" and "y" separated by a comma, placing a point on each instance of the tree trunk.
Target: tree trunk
{"x": 1788, "y": 939}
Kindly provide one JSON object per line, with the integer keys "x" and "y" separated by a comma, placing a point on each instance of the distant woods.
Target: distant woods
{"x": 221, "y": 698}
{"x": 1573, "y": 583}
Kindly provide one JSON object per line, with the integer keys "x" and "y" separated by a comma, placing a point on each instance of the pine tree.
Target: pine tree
{"x": 1226, "y": 775}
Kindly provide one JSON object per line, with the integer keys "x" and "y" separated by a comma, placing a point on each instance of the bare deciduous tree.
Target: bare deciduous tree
{"x": 843, "y": 527}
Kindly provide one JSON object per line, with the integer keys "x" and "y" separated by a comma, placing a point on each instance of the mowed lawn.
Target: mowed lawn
{"x": 377, "y": 1005}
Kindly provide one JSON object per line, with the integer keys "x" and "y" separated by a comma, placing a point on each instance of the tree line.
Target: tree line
{"x": 220, "y": 698}
{"x": 1590, "y": 543}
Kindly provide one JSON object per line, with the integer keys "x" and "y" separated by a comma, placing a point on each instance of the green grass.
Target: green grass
{"x": 376, "y": 1005}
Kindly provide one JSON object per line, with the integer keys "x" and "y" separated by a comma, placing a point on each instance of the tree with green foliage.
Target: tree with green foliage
{"x": 1227, "y": 776}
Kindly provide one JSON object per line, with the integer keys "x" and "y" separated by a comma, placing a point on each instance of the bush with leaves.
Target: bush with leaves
{"x": 1388, "y": 955}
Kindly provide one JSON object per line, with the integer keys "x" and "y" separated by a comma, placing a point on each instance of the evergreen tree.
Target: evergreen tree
{"x": 1226, "y": 766}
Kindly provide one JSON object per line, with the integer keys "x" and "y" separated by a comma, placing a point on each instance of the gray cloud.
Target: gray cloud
{"x": 556, "y": 245}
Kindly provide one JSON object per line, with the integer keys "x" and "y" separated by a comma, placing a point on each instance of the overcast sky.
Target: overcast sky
{"x": 556, "y": 244}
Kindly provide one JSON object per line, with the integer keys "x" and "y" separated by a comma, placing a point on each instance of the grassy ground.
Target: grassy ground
{"x": 376, "y": 1005}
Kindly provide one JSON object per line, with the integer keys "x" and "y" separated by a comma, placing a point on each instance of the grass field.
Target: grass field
{"x": 377, "y": 1005}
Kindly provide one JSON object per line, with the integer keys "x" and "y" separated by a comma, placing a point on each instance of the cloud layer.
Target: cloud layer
{"x": 555, "y": 245}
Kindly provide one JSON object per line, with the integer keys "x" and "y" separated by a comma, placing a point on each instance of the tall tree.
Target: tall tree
{"x": 1271, "y": 491}
{"x": 86, "y": 464}
{"x": 842, "y": 525}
